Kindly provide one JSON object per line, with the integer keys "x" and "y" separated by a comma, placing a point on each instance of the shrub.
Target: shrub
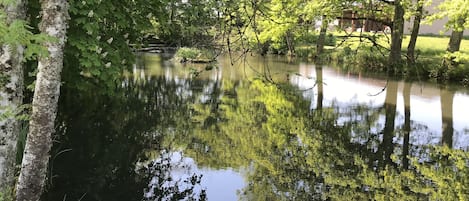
{"x": 186, "y": 54}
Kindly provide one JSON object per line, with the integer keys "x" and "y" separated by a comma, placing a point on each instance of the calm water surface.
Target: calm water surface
{"x": 264, "y": 129}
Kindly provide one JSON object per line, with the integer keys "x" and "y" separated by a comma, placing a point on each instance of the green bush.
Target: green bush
{"x": 454, "y": 67}
{"x": 186, "y": 54}
{"x": 362, "y": 59}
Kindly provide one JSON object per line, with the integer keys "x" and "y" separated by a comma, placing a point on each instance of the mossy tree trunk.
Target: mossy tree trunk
{"x": 44, "y": 108}
{"x": 11, "y": 98}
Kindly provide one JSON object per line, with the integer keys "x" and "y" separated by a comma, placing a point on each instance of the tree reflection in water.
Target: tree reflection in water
{"x": 103, "y": 136}
{"x": 284, "y": 149}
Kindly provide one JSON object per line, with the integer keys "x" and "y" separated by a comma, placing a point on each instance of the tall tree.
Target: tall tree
{"x": 11, "y": 92}
{"x": 415, "y": 31}
{"x": 397, "y": 33}
{"x": 44, "y": 106}
{"x": 457, "y": 13}
{"x": 456, "y": 36}
{"x": 322, "y": 36}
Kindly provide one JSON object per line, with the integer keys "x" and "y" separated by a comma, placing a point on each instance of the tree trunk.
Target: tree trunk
{"x": 396, "y": 36}
{"x": 290, "y": 45}
{"x": 11, "y": 97}
{"x": 322, "y": 37}
{"x": 415, "y": 32}
{"x": 454, "y": 45}
{"x": 46, "y": 94}
{"x": 456, "y": 37}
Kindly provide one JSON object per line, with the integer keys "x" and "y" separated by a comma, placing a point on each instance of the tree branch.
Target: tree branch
{"x": 387, "y": 23}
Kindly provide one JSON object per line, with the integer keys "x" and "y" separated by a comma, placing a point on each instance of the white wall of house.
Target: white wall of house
{"x": 436, "y": 28}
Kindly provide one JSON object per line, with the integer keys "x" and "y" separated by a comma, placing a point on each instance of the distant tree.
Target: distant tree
{"x": 457, "y": 12}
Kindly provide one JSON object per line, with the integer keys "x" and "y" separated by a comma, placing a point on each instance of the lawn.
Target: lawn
{"x": 427, "y": 46}
{"x": 434, "y": 45}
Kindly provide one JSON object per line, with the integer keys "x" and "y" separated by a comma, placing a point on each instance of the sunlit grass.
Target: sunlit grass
{"x": 425, "y": 44}
{"x": 434, "y": 45}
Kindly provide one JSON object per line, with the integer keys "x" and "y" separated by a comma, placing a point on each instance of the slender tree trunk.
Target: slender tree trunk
{"x": 446, "y": 99}
{"x": 46, "y": 94}
{"x": 407, "y": 128}
{"x": 290, "y": 45}
{"x": 322, "y": 37}
{"x": 415, "y": 32}
{"x": 11, "y": 97}
{"x": 396, "y": 36}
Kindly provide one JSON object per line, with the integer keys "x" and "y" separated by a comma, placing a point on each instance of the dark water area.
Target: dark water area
{"x": 263, "y": 129}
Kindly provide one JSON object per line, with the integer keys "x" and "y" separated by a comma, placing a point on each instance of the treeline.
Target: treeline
{"x": 304, "y": 28}
{"x": 93, "y": 42}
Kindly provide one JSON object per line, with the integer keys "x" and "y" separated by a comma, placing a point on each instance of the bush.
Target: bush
{"x": 186, "y": 54}
{"x": 362, "y": 59}
{"x": 454, "y": 67}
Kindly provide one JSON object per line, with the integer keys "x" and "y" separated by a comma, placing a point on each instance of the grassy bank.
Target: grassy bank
{"x": 362, "y": 54}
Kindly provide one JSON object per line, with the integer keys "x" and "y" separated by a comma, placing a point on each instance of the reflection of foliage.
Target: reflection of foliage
{"x": 328, "y": 153}
{"x": 107, "y": 135}
{"x": 446, "y": 176}
{"x": 164, "y": 187}
{"x": 288, "y": 151}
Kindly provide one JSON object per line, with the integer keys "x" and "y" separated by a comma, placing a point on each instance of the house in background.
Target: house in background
{"x": 436, "y": 28}
{"x": 352, "y": 21}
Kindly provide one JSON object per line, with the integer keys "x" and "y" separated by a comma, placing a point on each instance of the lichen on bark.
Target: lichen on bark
{"x": 44, "y": 107}
{"x": 11, "y": 97}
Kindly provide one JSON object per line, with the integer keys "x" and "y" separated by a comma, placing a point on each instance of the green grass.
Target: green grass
{"x": 434, "y": 45}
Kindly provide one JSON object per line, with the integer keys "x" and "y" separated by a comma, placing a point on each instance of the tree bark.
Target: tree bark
{"x": 322, "y": 37}
{"x": 396, "y": 35}
{"x": 454, "y": 45}
{"x": 456, "y": 38}
{"x": 46, "y": 94}
{"x": 415, "y": 32}
{"x": 11, "y": 98}
{"x": 290, "y": 45}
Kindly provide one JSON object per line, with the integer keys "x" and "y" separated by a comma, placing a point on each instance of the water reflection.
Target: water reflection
{"x": 267, "y": 129}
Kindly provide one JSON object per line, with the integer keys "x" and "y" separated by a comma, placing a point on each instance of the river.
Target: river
{"x": 265, "y": 128}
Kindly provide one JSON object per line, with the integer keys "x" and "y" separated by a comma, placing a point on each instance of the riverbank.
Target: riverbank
{"x": 370, "y": 54}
